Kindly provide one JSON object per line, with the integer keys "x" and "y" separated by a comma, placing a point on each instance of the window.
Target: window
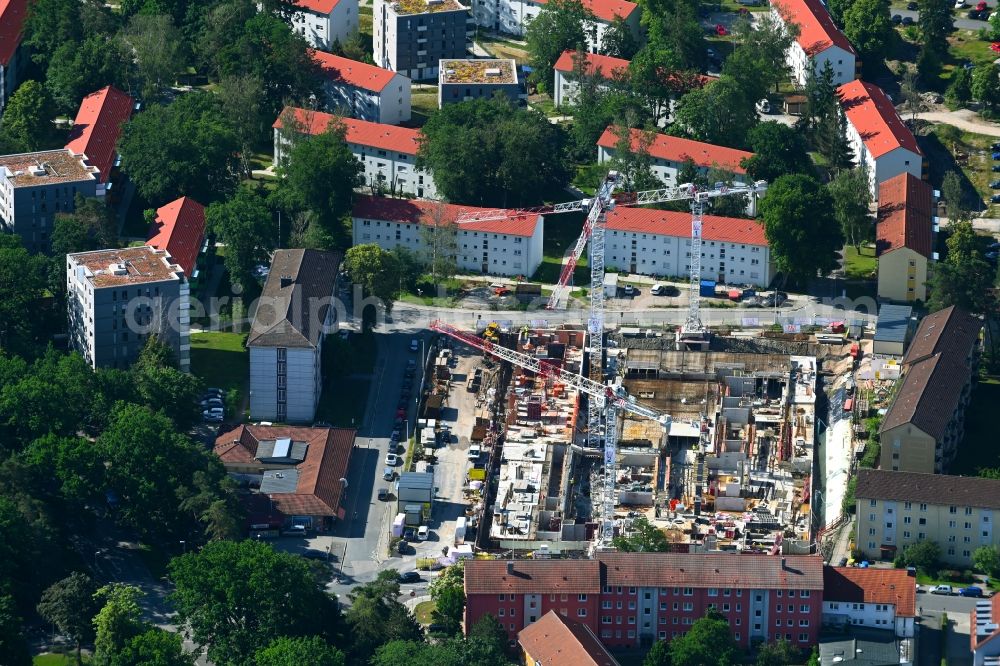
{"x": 952, "y": 509}
{"x": 605, "y": 619}
{"x": 688, "y": 591}
{"x": 713, "y": 591}
{"x": 606, "y": 605}
{"x": 500, "y": 613}
{"x": 688, "y": 606}
{"x": 581, "y": 597}
{"x": 581, "y": 612}
{"x": 803, "y": 609}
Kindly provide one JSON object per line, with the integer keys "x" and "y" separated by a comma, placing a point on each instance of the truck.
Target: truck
{"x": 427, "y": 438}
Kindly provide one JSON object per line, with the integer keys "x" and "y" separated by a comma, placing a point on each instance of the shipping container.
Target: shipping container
{"x": 707, "y": 288}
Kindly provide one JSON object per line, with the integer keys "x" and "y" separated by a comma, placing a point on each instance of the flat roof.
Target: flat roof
{"x": 408, "y": 7}
{"x": 468, "y": 70}
{"x": 127, "y": 266}
{"x": 60, "y": 166}
{"x": 893, "y": 320}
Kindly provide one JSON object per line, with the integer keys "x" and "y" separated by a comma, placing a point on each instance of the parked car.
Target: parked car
{"x": 475, "y": 451}
{"x": 995, "y": 198}
{"x": 213, "y": 410}
{"x": 414, "y": 345}
{"x": 907, "y": 20}
{"x": 630, "y": 290}
{"x": 409, "y": 534}
{"x": 391, "y": 459}
{"x": 995, "y": 146}
{"x": 763, "y": 106}
{"x": 388, "y": 474}
{"x": 959, "y": 4}
{"x": 313, "y": 554}
{"x": 896, "y": 19}
{"x": 212, "y": 403}
{"x": 436, "y": 628}
{"x": 976, "y": 15}
{"x": 996, "y": 154}
{"x": 220, "y": 393}
{"x": 912, "y": 6}
{"x": 981, "y": 5}
{"x": 720, "y": 30}
{"x": 212, "y": 418}
{"x": 995, "y": 168}
{"x": 423, "y": 532}
{"x": 995, "y": 184}
{"x": 664, "y": 290}
{"x": 409, "y": 577}
{"x": 402, "y": 547}
{"x": 383, "y": 494}
{"x": 971, "y": 591}
{"x": 942, "y": 589}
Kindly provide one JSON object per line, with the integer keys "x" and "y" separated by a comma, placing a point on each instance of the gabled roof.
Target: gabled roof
{"x": 555, "y": 639}
{"x": 12, "y": 15}
{"x": 672, "y": 223}
{"x": 607, "y": 10}
{"x": 951, "y": 330}
{"x": 595, "y": 64}
{"x": 532, "y": 577}
{"x": 872, "y": 586}
{"x": 904, "y": 215}
{"x": 676, "y": 149}
{"x": 874, "y": 117}
{"x": 318, "y": 6}
{"x": 180, "y": 230}
{"x": 359, "y": 132}
{"x": 318, "y": 488}
{"x": 351, "y": 72}
{"x": 940, "y": 489}
{"x": 421, "y": 211}
{"x": 817, "y": 32}
{"x": 768, "y": 572}
{"x": 97, "y": 127}
{"x": 298, "y": 291}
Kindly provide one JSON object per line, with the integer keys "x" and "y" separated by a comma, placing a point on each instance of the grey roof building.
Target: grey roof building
{"x": 892, "y": 331}
{"x": 295, "y": 311}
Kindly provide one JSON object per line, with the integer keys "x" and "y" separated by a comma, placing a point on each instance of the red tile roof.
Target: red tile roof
{"x": 180, "y": 230}
{"x": 98, "y": 125}
{"x": 768, "y": 572}
{"x": 327, "y": 455}
{"x": 555, "y": 639}
{"x": 532, "y": 577}
{"x": 671, "y": 223}
{"x": 816, "y": 29}
{"x": 871, "y": 586}
{"x": 12, "y": 15}
{"x": 598, "y": 65}
{"x": 677, "y": 149}
{"x": 359, "y": 132}
{"x": 319, "y": 6}
{"x": 874, "y": 117}
{"x": 421, "y": 211}
{"x": 607, "y": 10}
{"x": 904, "y": 215}
{"x": 358, "y": 74}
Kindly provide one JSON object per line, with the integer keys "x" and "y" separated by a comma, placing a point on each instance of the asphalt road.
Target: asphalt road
{"x": 962, "y": 22}
{"x": 931, "y": 608}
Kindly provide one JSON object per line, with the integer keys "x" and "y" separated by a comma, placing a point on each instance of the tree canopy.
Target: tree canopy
{"x": 245, "y": 224}
{"x": 709, "y": 642}
{"x": 560, "y": 25}
{"x": 804, "y": 236}
{"x": 778, "y": 150}
{"x": 643, "y": 538}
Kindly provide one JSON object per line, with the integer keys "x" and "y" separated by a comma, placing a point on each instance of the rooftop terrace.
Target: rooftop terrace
{"x": 47, "y": 167}
{"x": 409, "y": 7}
{"x": 126, "y": 266}
{"x": 478, "y": 71}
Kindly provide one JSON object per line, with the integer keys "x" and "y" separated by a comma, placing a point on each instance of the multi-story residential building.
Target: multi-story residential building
{"x": 118, "y": 298}
{"x": 179, "y": 229}
{"x": 628, "y": 599}
{"x": 96, "y": 130}
{"x": 465, "y": 79}
{"x": 512, "y": 17}
{"x": 896, "y": 509}
{"x": 364, "y": 91}
{"x": 881, "y": 143}
{"x": 985, "y": 634}
{"x": 926, "y": 420}
{"x": 874, "y": 598}
{"x": 670, "y": 153}
{"x": 606, "y": 68}
{"x": 555, "y": 639}
{"x": 34, "y": 187}
{"x": 323, "y": 22}
{"x": 819, "y": 42}
{"x": 495, "y": 247}
{"x": 294, "y": 313}
{"x": 658, "y": 242}
{"x": 388, "y": 153}
{"x": 294, "y": 474}
{"x": 904, "y": 232}
{"x": 413, "y": 36}
{"x": 12, "y": 15}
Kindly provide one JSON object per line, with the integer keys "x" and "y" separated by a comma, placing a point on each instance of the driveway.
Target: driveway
{"x": 964, "y": 119}
{"x": 962, "y": 21}
{"x": 931, "y": 609}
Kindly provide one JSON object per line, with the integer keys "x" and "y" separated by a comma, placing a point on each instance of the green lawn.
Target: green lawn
{"x": 347, "y": 372}
{"x": 53, "y": 659}
{"x": 561, "y": 231}
{"x": 221, "y": 360}
{"x": 423, "y": 612}
{"x": 860, "y": 266}
{"x": 977, "y": 167}
{"x": 979, "y": 448}
{"x": 423, "y": 103}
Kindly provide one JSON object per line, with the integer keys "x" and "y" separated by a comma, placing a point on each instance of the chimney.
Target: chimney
{"x": 510, "y": 567}
{"x": 286, "y": 281}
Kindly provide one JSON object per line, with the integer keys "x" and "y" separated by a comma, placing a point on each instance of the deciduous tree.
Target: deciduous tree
{"x": 719, "y": 113}
{"x": 376, "y": 270}
{"x": 986, "y": 86}
{"x": 777, "y": 150}
{"x": 868, "y": 26}
{"x": 618, "y": 40}
{"x": 964, "y": 278}
{"x": 118, "y": 621}
{"x": 69, "y": 604}
{"x": 923, "y": 555}
{"x": 151, "y": 45}
{"x": 153, "y": 647}
{"x": 22, "y": 283}
{"x": 936, "y": 23}
{"x": 644, "y": 537}
{"x": 560, "y": 25}
{"x": 245, "y": 224}
{"x": 852, "y": 199}
{"x": 800, "y": 227}
{"x": 13, "y": 645}
{"x": 709, "y": 642}
{"x": 987, "y": 559}
{"x": 311, "y": 650}
{"x": 27, "y": 119}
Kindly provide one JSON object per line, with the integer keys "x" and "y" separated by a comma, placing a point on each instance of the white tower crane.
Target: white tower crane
{"x": 602, "y": 414}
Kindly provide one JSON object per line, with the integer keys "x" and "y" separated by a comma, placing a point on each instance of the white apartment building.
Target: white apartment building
{"x": 601, "y": 66}
{"x": 669, "y": 154}
{"x": 496, "y": 247}
{"x": 117, "y": 298}
{"x": 512, "y": 17}
{"x": 34, "y": 187}
{"x": 293, "y": 316}
{"x": 323, "y": 22}
{"x": 819, "y": 41}
{"x": 388, "y": 153}
{"x": 873, "y": 598}
{"x": 364, "y": 91}
{"x": 12, "y": 15}
{"x": 658, "y": 243}
{"x": 412, "y": 36}
{"x": 878, "y": 137}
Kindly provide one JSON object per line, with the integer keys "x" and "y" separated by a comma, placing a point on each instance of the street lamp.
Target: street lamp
{"x": 184, "y": 547}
